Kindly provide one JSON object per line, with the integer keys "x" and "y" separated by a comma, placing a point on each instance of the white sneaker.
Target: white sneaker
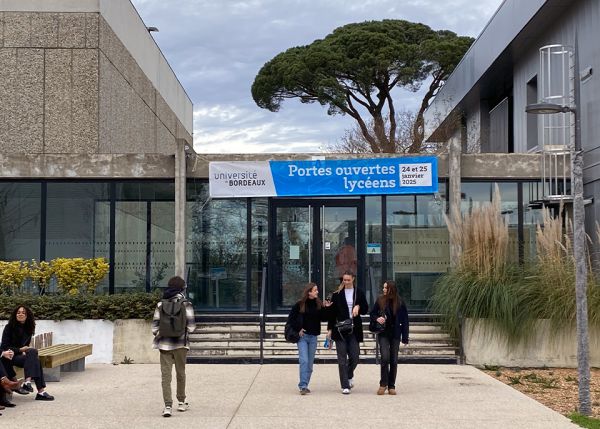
{"x": 183, "y": 406}
{"x": 167, "y": 412}
{"x": 351, "y": 382}
{"x": 346, "y": 391}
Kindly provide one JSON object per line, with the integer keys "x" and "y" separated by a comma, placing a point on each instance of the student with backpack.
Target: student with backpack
{"x": 172, "y": 322}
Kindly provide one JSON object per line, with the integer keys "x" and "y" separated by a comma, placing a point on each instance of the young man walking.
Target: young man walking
{"x": 173, "y": 321}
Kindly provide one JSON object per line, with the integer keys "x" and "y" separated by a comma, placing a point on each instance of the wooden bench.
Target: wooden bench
{"x": 62, "y": 357}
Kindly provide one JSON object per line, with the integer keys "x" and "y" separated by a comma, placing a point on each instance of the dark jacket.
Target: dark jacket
{"x": 14, "y": 339}
{"x": 310, "y": 320}
{"x": 400, "y": 328}
{"x": 339, "y": 312}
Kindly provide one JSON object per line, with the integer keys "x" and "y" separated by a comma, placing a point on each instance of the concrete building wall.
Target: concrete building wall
{"x": 131, "y": 30}
{"x": 49, "y": 82}
{"x": 69, "y": 85}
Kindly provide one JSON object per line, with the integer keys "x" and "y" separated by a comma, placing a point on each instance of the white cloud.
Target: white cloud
{"x": 216, "y": 47}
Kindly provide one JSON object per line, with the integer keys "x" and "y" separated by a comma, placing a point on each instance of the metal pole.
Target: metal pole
{"x": 583, "y": 348}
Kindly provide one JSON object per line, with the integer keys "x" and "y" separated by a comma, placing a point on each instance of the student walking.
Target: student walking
{"x": 173, "y": 321}
{"x": 345, "y": 325}
{"x": 306, "y": 316}
{"x": 389, "y": 312}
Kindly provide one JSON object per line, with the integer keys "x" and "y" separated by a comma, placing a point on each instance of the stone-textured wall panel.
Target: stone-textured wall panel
{"x": 8, "y": 65}
{"x": 30, "y": 100}
{"x": 142, "y": 135}
{"x": 165, "y": 114}
{"x": 72, "y": 30}
{"x": 1, "y": 29}
{"x": 116, "y": 52}
{"x": 142, "y": 85}
{"x": 127, "y": 125}
{"x": 8, "y": 60}
{"x": 44, "y": 30}
{"x": 91, "y": 30}
{"x": 17, "y": 29}
{"x": 165, "y": 141}
{"x": 21, "y": 100}
{"x": 58, "y": 100}
{"x": 85, "y": 100}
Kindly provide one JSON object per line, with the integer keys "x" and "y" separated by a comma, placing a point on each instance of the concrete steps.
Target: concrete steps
{"x": 219, "y": 339}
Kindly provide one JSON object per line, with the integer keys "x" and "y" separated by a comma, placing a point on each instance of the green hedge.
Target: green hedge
{"x": 138, "y": 305}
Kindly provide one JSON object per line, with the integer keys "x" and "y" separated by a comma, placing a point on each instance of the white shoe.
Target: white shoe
{"x": 346, "y": 391}
{"x": 167, "y": 412}
{"x": 183, "y": 406}
{"x": 351, "y": 382}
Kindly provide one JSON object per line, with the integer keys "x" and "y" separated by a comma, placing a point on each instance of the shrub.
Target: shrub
{"x": 78, "y": 275}
{"x": 139, "y": 305}
{"x": 40, "y": 273}
{"x": 12, "y": 276}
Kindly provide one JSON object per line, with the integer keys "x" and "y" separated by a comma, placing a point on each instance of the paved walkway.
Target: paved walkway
{"x": 251, "y": 396}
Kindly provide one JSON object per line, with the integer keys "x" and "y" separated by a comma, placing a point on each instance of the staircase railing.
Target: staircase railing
{"x": 262, "y": 312}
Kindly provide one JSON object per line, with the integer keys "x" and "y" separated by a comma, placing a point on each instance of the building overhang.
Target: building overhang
{"x": 487, "y": 66}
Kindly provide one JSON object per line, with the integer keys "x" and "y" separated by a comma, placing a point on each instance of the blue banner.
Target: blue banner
{"x": 375, "y": 176}
{"x": 335, "y": 177}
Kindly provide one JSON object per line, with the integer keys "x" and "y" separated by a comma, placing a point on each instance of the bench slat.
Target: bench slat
{"x": 59, "y": 354}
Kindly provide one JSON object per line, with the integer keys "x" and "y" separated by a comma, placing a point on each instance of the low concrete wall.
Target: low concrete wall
{"x": 544, "y": 346}
{"x": 99, "y": 333}
{"x": 133, "y": 338}
{"x": 111, "y": 341}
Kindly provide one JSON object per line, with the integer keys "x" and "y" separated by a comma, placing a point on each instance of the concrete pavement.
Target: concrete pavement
{"x": 251, "y": 396}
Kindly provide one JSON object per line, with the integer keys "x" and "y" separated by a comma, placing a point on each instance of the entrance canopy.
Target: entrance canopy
{"x": 374, "y": 176}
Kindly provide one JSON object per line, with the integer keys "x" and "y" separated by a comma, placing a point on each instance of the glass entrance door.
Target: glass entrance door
{"x": 311, "y": 241}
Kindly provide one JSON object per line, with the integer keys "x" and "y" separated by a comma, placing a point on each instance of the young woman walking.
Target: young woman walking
{"x": 306, "y": 316}
{"x": 345, "y": 325}
{"x": 389, "y": 311}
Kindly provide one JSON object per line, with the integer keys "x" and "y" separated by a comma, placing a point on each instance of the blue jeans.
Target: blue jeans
{"x": 307, "y": 347}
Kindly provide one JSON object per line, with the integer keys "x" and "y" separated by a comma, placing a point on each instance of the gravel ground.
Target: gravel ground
{"x": 556, "y": 388}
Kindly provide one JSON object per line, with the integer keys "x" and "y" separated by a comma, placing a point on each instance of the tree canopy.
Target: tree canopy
{"x": 354, "y": 69}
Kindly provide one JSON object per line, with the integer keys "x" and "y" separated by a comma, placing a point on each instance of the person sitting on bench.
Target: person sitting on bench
{"x": 6, "y": 385}
{"x": 17, "y": 337}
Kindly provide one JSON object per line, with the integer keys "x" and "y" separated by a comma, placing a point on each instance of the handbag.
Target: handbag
{"x": 376, "y": 327}
{"x": 291, "y": 335}
{"x": 345, "y": 327}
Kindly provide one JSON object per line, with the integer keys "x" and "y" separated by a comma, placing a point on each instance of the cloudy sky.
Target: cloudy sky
{"x": 216, "y": 48}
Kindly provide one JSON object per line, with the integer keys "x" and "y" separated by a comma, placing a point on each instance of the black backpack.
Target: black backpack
{"x": 173, "y": 318}
{"x": 290, "y": 332}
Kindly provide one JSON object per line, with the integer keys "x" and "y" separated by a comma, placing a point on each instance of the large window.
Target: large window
{"x": 20, "y": 221}
{"x": 217, "y": 255}
{"x": 417, "y": 244}
{"x": 477, "y": 194}
{"x": 144, "y": 235}
{"x": 78, "y": 221}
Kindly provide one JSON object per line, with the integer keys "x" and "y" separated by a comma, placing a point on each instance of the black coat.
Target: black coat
{"x": 14, "y": 339}
{"x": 339, "y": 312}
{"x": 310, "y": 320}
{"x": 400, "y": 321}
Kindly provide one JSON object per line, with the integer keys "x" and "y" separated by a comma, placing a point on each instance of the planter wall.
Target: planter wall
{"x": 112, "y": 341}
{"x": 133, "y": 338}
{"x": 543, "y": 347}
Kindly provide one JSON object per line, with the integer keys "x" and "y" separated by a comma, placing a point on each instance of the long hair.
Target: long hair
{"x": 29, "y": 324}
{"x": 390, "y": 299}
{"x": 305, "y": 298}
{"x": 346, "y": 273}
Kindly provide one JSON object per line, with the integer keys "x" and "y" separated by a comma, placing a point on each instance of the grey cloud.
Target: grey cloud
{"x": 216, "y": 47}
